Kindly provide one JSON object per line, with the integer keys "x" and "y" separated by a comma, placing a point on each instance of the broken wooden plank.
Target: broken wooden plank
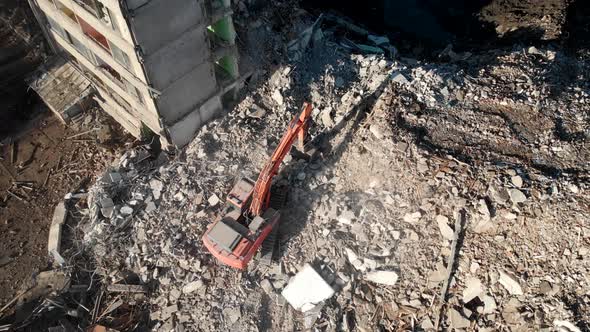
{"x": 13, "y": 152}
{"x": 15, "y": 195}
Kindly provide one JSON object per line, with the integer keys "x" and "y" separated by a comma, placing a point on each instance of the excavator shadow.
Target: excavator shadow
{"x": 331, "y": 144}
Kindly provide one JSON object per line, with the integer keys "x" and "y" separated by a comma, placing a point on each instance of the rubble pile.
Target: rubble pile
{"x": 444, "y": 195}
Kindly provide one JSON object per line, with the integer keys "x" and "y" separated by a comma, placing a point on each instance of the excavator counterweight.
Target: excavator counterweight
{"x": 247, "y": 219}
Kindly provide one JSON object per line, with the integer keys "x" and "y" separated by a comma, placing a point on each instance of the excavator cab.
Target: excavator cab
{"x": 232, "y": 238}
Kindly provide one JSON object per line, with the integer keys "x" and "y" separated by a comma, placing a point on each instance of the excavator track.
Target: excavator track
{"x": 268, "y": 248}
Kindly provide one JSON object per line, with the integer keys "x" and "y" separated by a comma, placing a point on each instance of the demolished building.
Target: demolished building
{"x": 149, "y": 71}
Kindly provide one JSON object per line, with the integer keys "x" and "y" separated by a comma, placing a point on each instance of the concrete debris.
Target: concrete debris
{"x": 232, "y": 314}
{"x": 119, "y": 288}
{"x": 307, "y": 289}
{"x": 326, "y": 117}
{"x": 473, "y": 288}
{"x": 445, "y": 230}
{"x": 388, "y": 278}
{"x": 427, "y": 324}
{"x": 457, "y": 320}
{"x": 510, "y": 283}
{"x": 413, "y": 217}
{"x": 489, "y": 304}
{"x": 213, "y": 200}
{"x": 517, "y": 196}
{"x": 517, "y": 181}
{"x": 157, "y": 187}
{"x": 192, "y": 286}
{"x": 55, "y": 232}
{"x": 399, "y": 78}
{"x": 257, "y": 112}
{"x": 278, "y": 97}
{"x": 43, "y": 284}
{"x": 267, "y": 286}
{"x": 346, "y": 217}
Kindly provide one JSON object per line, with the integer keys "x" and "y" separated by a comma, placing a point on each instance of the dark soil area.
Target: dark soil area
{"x": 468, "y": 25}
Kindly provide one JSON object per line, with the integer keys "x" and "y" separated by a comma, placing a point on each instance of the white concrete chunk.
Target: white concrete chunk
{"x": 489, "y": 305}
{"x": 278, "y": 97}
{"x": 510, "y": 283}
{"x": 54, "y": 240}
{"x": 517, "y": 196}
{"x": 473, "y": 289}
{"x": 412, "y": 217}
{"x": 213, "y": 200}
{"x": 307, "y": 289}
{"x": 192, "y": 286}
{"x": 457, "y": 320}
{"x": 388, "y": 278}
{"x": 445, "y": 230}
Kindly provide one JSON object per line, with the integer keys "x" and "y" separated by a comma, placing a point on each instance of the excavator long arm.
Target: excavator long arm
{"x": 297, "y": 128}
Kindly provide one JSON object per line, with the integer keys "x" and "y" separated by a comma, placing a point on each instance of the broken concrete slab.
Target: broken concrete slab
{"x": 388, "y": 278}
{"x": 517, "y": 196}
{"x": 192, "y": 286}
{"x": 165, "y": 313}
{"x": 307, "y": 289}
{"x": 278, "y": 97}
{"x": 399, "y": 78}
{"x": 55, "y": 230}
{"x": 489, "y": 304}
{"x": 510, "y": 283}
{"x": 473, "y": 289}
{"x": 213, "y": 200}
{"x": 445, "y": 230}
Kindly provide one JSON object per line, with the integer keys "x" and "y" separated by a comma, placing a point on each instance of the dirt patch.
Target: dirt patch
{"x": 51, "y": 164}
{"x": 528, "y": 20}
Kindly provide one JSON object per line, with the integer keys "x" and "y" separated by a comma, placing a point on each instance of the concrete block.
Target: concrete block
{"x": 54, "y": 240}
{"x": 182, "y": 132}
{"x": 307, "y": 289}
{"x": 159, "y": 22}
{"x": 186, "y": 53}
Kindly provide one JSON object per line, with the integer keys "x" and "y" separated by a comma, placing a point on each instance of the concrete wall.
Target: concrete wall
{"x": 170, "y": 63}
{"x": 172, "y": 36}
{"x": 182, "y": 132}
{"x": 187, "y": 93}
{"x": 159, "y": 22}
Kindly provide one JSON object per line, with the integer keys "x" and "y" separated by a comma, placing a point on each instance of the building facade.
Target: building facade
{"x": 158, "y": 65}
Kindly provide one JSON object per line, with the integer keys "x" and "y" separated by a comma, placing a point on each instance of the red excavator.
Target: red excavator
{"x": 250, "y": 216}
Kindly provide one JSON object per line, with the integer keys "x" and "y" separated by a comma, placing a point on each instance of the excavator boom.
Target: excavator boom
{"x": 297, "y": 128}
